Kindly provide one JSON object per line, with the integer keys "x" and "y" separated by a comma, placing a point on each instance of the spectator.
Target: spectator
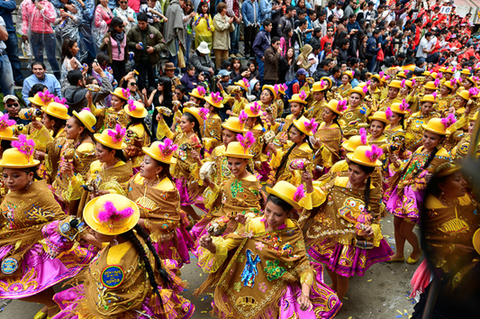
{"x": 203, "y": 25}
{"x": 326, "y": 50}
{"x": 261, "y": 44}
{"x": 128, "y": 16}
{"x": 115, "y": 43}
{"x": 327, "y": 38}
{"x": 372, "y": 49}
{"x": 343, "y": 51}
{"x": 250, "y": 12}
{"x": 12, "y": 106}
{"x": 424, "y": 48}
{"x": 174, "y": 30}
{"x": 169, "y": 70}
{"x": 342, "y": 25}
{"x": 352, "y": 26}
{"x": 286, "y": 40}
{"x": 298, "y": 38}
{"x": 286, "y": 67}
{"x": 6, "y": 76}
{"x": 301, "y": 14}
{"x": 287, "y": 21}
{"x": 76, "y": 93}
{"x": 276, "y": 16}
{"x": 67, "y": 24}
{"x": 303, "y": 58}
{"x": 188, "y": 79}
{"x": 312, "y": 16}
{"x": 316, "y": 38}
{"x": 70, "y": 62}
{"x": 200, "y": 59}
{"x": 265, "y": 7}
{"x": 103, "y": 18}
{"x": 370, "y": 14}
{"x": 180, "y": 92}
{"x": 321, "y": 22}
{"x": 299, "y": 81}
{"x": 147, "y": 54}
{"x": 189, "y": 14}
{"x": 322, "y": 70}
{"x": 350, "y": 9}
{"x": 221, "y": 39}
{"x": 313, "y": 58}
{"x": 38, "y": 18}
{"x": 233, "y": 11}
{"x": 272, "y": 56}
{"x": 330, "y": 7}
{"x": 153, "y": 10}
{"x": 338, "y": 11}
{"x": 6, "y": 9}
{"x": 132, "y": 86}
{"x": 255, "y": 90}
{"x": 254, "y": 74}
{"x": 39, "y": 76}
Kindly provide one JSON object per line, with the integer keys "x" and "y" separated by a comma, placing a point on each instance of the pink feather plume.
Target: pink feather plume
{"x": 110, "y": 212}
{"x": 246, "y": 82}
{"x": 363, "y": 136}
{"x": 365, "y": 89}
{"x": 406, "y": 71}
{"x": 275, "y": 87}
{"x": 473, "y": 91}
{"x": 24, "y": 145}
{"x": 322, "y": 84}
{"x": 342, "y": 105}
{"x": 131, "y": 107}
{"x": 242, "y": 118}
{"x": 414, "y": 81}
{"x": 167, "y": 147}
{"x": 216, "y": 97}
{"x": 434, "y": 95}
{"x": 255, "y": 108}
{"x": 381, "y": 73}
{"x": 46, "y": 97}
{"x": 404, "y": 105}
{"x": 374, "y": 154}
{"x": 303, "y": 95}
{"x": 449, "y": 120}
{"x": 439, "y": 75}
{"x": 299, "y": 193}
{"x": 126, "y": 92}
{"x": 6, "y": 122}
{"x": 203, "y": 112}
{"x": 246, "y": 141}
{"x": 311, "y": 125}
{"x": 388, "y": 112}
{"x": 436, "y": 82}
{"x": 201, "y": 90}
{"x": 403, "y": 83}
{"x": 118, "y": 134}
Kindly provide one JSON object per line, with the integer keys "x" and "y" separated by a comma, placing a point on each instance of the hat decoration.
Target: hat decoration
{"x": 413, "y": 82}
{"x": 216, "y": 98}
{"x": 303, "y": 95}
{"x": 126, "y": 92}
{"x": 363, "y": 135}
{"x": 473, "y": 91}
{"x": 167, "y": 148}
{"x": 242, "y": 118}
{"x": 436, "y": 82}
{"x": 110, "y": 212}
{"x": 46, "y": 97}
{"x": 403, "y": 83}
{"x": 203, "y": 112}
{"x": 5, "y": 122}
{"x": 255, "y": 108}
{"x": 434, "y": 94}
{"x": 299, "y": 193}
{"x": 24, "y": 145}
{"x": 406, "y": 72}
{"x": 311, "y": 125}
{"x": 246, "y": 141}
{"x": 388, "y": 112}
{"x": 131, "y": 107}
{"x": 469, "y": 68}
{"x": 404, "y": 106}
{"x": 453, "y": 82}
{"x": 387, "y": 77}
{"x": 118, "y": 134}
{"x": 201, "y": 90}
{"x": 342, "y": 105}
{"x": 439, "y": 75}
{"x": 449, "y": 120}
{"x": 61, "y": 101}
{"x": 246, "y": 82}
{"x": 374, "y": 154}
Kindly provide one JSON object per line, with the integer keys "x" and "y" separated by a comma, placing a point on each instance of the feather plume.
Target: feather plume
{"x": 24, "y": 145}
{"x": 311, "y": 126}
{"x": 322, "y": 84}
{"x": 363, "y": 136}
{"x": 285, "y": 87}
{"x": 353, "y": 73}
{"x": 167, "y": 147}
{"x": 110, "y": 212}
{"x": 126, "y": 92}
{"x": 406, "y": 71}
{"x": 46, "y": 96}
{"x": 436, "y": 82}
{"x": 388, "y": 112}
{"x": 404, "y": 105}
{"x": 299, "y": 193}
{"x": 242, "y": 118}
{"x": 246, "y": 82}
{"x": 216, "y": 97}
{"x": 61, "y": 101}
{"x": 365, "y": 89}
{"x": 449, "y": 120}
{"x": 342, "y": 105}
{"x": 439, "y": 75}
{"x": 413, "y": 82}
{"x": 131, "y": 107}
{"x": 118, "y": 134}
{"x": 374, "y": 153}
{"x": 303, "y": 95}
{"x": 381, "y": 73}
{"x": 6, "y": 122}
{"x": 453, "y": 82}
{"x": 203, "y": 112}
{"x": 275, "y": 87}
{"x": 255, "y": 108}
{"x": 201, "y": 90}
{"x": 246, "y": 141}
{"x": 434, "y": 94}
{"x": 403, "y": 83}
{"x": 469, "y": 68}
{"x": 387, "y": 77}
{"x": 473, "y": 91}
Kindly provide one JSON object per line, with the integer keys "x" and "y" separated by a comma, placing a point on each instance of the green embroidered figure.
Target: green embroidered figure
{"x": 237, "y": 286}
{"x": 273, "y": 271}
{"x": 236, "y": 188}
{"x": 241, "y": 258}
{"x": 300, "y": 244}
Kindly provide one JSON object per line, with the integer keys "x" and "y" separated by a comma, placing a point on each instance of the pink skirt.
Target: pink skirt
{"x": 406, "y": 205}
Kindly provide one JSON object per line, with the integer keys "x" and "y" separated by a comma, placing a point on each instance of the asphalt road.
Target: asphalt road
{"x": 381, "y": 293}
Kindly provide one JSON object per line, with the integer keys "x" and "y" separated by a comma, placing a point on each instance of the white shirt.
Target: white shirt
{"x": 314, "y": 66}
{"x": 338, "y": 13}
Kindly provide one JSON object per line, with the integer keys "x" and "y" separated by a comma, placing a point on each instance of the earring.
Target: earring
{"x": 29, "y": 183}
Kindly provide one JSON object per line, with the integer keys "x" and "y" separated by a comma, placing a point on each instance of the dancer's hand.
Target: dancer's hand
{"x": 206, "y": 242}
{"x": 241, "y": 219}
{"x": 304, "y": 302}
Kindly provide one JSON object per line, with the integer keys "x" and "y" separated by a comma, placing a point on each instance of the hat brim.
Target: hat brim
{"x": 345, "y": 147}
{"x": 208, "y": 99}
{"x": 283, "y": 197}
{"x": 298, "y": 101}
{"x": 203, "y": 51}
{"x": 91, "y": 129}
{"x": 44, "y": 109}
{"x": 98, "y": 138}
{"x": 119, "y": 96}
{"x": 197, "y": 116}
{"x": 295, "y": 123}
{"x": 476, "y": 241}
{"x": 433, "y": 131}
{"x": 143, "y": 115}
{"x": 197, "y": 96}
{"x": 147, "y": 151}
{"x": 99, "y": 227}
{"x": 350, "y": 157}
{"x": 233, "y": 129}
{"x": 236, "y": 155}
{"x": 372, "y": 118}
{"x": 6, "y": 165}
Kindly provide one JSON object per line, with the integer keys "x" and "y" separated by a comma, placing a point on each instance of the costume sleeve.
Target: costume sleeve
{"x": 41, "y": 138}
{"x": 163, "y": 130}
{"x": 209, "y": 262}
{"x": 276, "y": 159}
{"x": 210, "y": 195}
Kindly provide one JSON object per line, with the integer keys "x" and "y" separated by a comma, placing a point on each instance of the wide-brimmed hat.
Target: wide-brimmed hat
{"x": 233, "y": 124}
{"x": 430, "y": 85}
{"x": 169, "y": 66}
{"x": 135, "y": 109}
{"x": 199, "y": 92}
{"x": 162, "y": 151}
{"x": 20, "y": 155}
{"x": 306, "y": 126}
{"x": 87, "y": 118}
{"x": 400, "y": 108}
{"x": 243, "y": 83}
{"x": 337, "y": 106}
{"x": 429, "y": 98}
{"x": 349, "y": 74}
{"x": 271, "y": 88}
{"x": 288, "y": 192}
{"x": 199, "y": 113}
{"x": 42, "y": 99}
{"x": 121, "y": 93}
{"x": 439, "y": 126}
{"x": 299, "y": 98}
{"x": 253, "y": 109}
{"x": 203, "y": 48}
{"x": 358, "y": 90}
{"x": 395, "y": 84}
{"x": 111, "y": 214}
{"x": 380, "y": 116}
{"x": 57, "y": 110}
{"x": 355, "y": 141}
{"x": 320, "y": 86}
{"x": 237, "y": 150}
{"x": 112, "y": 138}
{"x": 215, "y": 100}
{"x": 465, "y": 71}
{"x": 366, "y": 155}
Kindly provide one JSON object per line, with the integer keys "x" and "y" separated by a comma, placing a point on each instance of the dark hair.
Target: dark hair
{"x": 267, "y": 22}
{"x": 102, "y": 58}
{"x": 316, "y": 46}
{"x": 136, "y": 120}
{"x": 376, "y": 31}
{"x": 59, "y": 123}
{"x": 200, "y": 5}
{"x": 142, "y": 17}
{"x": 275, "y": 39}
{"x": 89, "y": 79}
{"x": 39, "y": 63}
{"x": 192, "y": 119}
{"x": 35, "y": 89}
{"x": 300, "y": 11}
{"x": 279, "y": 202}
{"x": 34, "y": 171}
{"x": 116, "y": 21}
{"x": 118, "y": 153}
{"x": 429, "y": 159}
{"x": 366, "y": 170}
{"x": 221, "y": 6}
{"x": 165, "y": 169}
{"x": 68, "y": 43}
{"x": 73, "y": 76}
{"x": 287, "y": 31}
{"x": 289, "y": 9}
{"x": 181, "y": 88}
{"x": 352, "y": 15}
{"x": 302, "y": 22}
{"x": 86, "y": 132}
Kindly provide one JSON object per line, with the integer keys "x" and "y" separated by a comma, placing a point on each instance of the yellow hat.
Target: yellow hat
{"x": 465, "y": 71}
{"x": 395, "y": 84}
{"x": 7, "y": 128}
{"x": 20, "y": 155}
{"x": 349, "y": 73}
{"x": 87, "y": 118}
{"x": 271, "y": 88}
{"x": 308, "y": 127}
{"x": 280, "y": 88}
{"x": 215, "y": 100}
{"x": 431, "y": 86}
{"x": 57, "y": 110}
{"x": 198, "y": 92}
{"x": 288, "y": 192}
{"x": 451, "y": 71}
{"x": 243, "y": 83}
{"x": 379, "y": 78}
{"x": 473, "y": 117}
{"x": 429, "y": 73}
{"x": 464, "y": 95}
{"x": 111, "y": 214}
{"x": 429, "y": 98}
{"x": 327, "y": 79}
{"x": 472, "y": 80}
{"x": 400, "y": 108}
{"x": 112, "y": 138}
{"x": 162, "y": 151}
{"x": 320, "y": 86}
{"x": 449, "y": 85}
{"x": 233, "y": 124}
{"x": 476, "y": 241}
{"x": 380, "y": 116}
{"x": 253, "y": 109}
{"x": 42, "y": 99}
{"x": 408, "y": 83}
{"x": 447, "y": 168}
{"x": 436, "y": 126}
{"x": 235, "y": 149}
{"x": 299, "y": 98}
{"x": 337, "y": 106}
{"x": 366, "y": 155}
{"x": 199, "y": 113}
{"x": 135, "y": 109}
{"x": 358, "y": 90}
{"x": 121, "y": 93}
{"x": 402, "y": 75}
{"x": 355, "y": 141}
{"x": 442, "y": 69}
